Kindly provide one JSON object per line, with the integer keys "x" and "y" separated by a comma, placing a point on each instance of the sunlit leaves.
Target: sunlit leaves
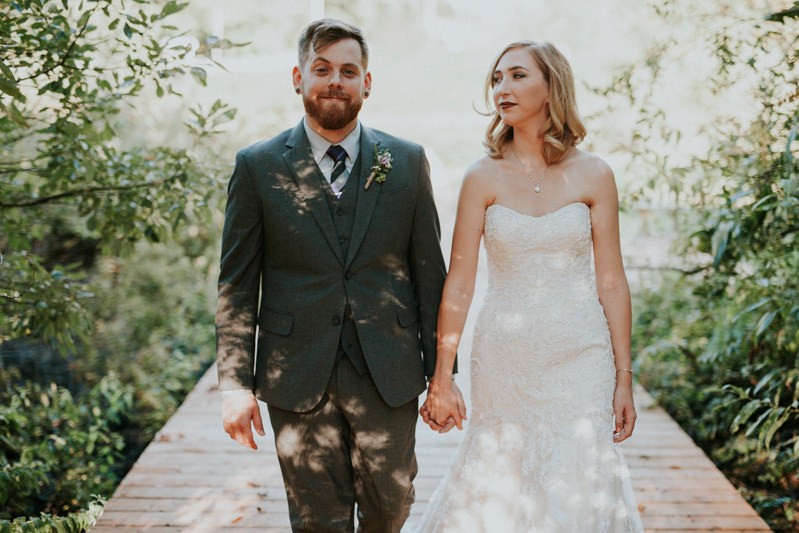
{"x": 66, "y": 71}
{"x": 720, "y": 344}
{"x": 782, "y": 16}
{"x": 76, "y": 198}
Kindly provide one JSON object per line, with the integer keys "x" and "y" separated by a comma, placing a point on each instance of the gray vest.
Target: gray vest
{"x": 343, "y": 212}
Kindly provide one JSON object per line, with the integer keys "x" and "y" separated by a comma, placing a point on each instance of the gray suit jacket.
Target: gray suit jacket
{"x": 282, "y": 270}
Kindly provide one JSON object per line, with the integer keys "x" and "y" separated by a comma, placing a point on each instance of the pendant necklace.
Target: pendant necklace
{"x": 537, "y": 185}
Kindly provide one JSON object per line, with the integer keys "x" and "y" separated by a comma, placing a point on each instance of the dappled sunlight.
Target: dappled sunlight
{"x": 351, "y": 447}
{"x": 505, "y": 478}
{"x": 293, "y": 445}
{"x": 372, "y": 445}
{"x": 236, "y": 325}
{"x": 355, "y": 407}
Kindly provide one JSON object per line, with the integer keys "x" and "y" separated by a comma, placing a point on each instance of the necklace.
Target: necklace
{"x": 537, "y": 186}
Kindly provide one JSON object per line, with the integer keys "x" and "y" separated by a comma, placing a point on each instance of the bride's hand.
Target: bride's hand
{"x": 444, "y": 405}
{"x": 623, "y": 411}
{"x": 424, "y": 412}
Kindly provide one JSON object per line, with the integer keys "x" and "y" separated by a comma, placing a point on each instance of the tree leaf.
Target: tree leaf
{"x": 7, "y": 71}
{"x": 764, "y": 381}
{"x": 775, "y": 422}
{"x": 172, "y": 7}
{"x": 199, "y": 74}
{"x": 751, "y": 429}
{"x": 756, "y": 305}
{"x": 721, "y": 237}
{"x": 780, "y": 16}
{"x": 764, "y": 322}
{"x": 10, "y": 88}
{"x": 744, "y": 414}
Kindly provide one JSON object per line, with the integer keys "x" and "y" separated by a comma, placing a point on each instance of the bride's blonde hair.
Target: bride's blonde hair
{"x": 563, "y": 127}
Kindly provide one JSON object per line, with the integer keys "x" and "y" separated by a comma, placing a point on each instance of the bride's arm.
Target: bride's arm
{"x": 614, "y": 293}
{"x": 443, "y": 398}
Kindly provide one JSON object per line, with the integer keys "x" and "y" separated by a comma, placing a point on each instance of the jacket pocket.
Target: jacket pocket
{"x": 275, "y": 322}
{"x": 406, "y": 317}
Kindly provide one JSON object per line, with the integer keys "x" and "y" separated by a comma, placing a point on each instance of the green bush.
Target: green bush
{"x": 71, "y": 523}
{"x": 718, "y": 344}
{"x": 56, "y": 452}
{"x": 104, "y": 244}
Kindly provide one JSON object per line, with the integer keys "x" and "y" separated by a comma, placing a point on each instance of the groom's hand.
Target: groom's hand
{"x": 238, "y": 414}
{"x": 425, "y": 413}
{"x": 444, "y": 405}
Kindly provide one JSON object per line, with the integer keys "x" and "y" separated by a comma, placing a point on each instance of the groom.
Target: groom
{"x": 330, "y": 280}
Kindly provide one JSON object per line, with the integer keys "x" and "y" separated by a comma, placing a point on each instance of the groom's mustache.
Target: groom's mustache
{"x": 335, "y": 94}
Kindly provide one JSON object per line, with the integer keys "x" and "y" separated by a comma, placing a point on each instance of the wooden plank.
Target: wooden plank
{"x": 687, "y": 508}
{"x": 193, "y": 478}
{"x": 707, "y": 523}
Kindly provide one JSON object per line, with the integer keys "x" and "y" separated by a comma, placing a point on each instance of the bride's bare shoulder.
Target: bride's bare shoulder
{"x": 587, "y": 166}
{"x": 480, "y": 179}
{"x": 483, "y": 171}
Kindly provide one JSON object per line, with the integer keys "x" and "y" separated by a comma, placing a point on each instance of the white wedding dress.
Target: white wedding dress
{"x": 538, "y": 453}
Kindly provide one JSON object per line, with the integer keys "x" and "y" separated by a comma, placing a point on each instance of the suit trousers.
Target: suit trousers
{"x": 351, "y": 449}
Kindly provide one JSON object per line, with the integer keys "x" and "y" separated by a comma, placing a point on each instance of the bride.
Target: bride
{"x": 551, "y": 369}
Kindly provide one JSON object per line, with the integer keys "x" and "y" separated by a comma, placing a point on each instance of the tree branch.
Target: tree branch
{"x": 687, "y": 272}
{"x": 68, "y": 52}
{"x": 79, "y": 192}
{"x": 11, "y": 299}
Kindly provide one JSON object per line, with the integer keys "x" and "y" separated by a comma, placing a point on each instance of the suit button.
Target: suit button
{"x": 340, "y": 211}
{"x": 347, "y": 274}
{"x": 342, "y": 239}
{"x": 336, "y": 321}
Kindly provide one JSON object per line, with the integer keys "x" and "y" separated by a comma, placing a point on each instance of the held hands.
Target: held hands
{"x": 623, "y": 410}
{"x": 444, "y": 407}
{"x": 238, "y": 412}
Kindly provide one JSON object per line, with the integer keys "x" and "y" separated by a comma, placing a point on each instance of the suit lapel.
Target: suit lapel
{"x": 306, "y": 175}
{"x": 367, "y": 199}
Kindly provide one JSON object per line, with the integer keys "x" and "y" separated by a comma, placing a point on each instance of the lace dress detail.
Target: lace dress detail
{"x": 538, "y": 453}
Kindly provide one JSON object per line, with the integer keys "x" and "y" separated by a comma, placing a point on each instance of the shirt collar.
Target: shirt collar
{"x": 319, "y": 145}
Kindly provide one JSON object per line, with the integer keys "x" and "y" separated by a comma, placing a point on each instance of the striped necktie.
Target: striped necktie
{"x": 339, "y": 174}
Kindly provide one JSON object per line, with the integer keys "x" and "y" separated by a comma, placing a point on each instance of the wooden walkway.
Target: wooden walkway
{"x": 192, "y": 477}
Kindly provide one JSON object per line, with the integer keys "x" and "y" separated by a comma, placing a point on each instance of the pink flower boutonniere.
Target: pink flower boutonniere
{"x": 380, "y": 167}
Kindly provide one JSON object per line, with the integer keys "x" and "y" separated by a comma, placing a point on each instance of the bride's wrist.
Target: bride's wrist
{"x": 441, "y": 379}
{"x": 624, "y": 379}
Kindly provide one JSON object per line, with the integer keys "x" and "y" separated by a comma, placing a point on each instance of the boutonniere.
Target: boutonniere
{"x": 380, "y": 167}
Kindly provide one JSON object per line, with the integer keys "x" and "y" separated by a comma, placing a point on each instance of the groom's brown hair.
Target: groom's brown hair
{"x": 323, "y": 32}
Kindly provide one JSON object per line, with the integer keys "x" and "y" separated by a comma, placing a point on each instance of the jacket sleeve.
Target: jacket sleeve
{"x": 239, "y": 281}
{"x": 427, "y": 264}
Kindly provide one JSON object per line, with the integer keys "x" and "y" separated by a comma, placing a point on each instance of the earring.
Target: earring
{"x": 297, "y": 90}
{"x": 366, "y": 94}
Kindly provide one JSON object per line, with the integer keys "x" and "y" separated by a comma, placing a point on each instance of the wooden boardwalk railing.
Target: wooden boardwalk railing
{"x": 192, "y": 477}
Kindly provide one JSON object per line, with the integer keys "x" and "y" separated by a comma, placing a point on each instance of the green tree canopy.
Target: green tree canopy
{"x": 719, "y": 343}
{"x": 70, "y": 181}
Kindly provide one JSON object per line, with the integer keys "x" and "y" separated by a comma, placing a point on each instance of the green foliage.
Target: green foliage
{"x": 719, "y": 344}
{"x": 138, "y": 366}
{"x": 55, "y": 452}
{"x": 105, "y": 238}
{"x": 68, "y": 72}
{"x": 71, "y": 523}
{"x": 161, "y": 353}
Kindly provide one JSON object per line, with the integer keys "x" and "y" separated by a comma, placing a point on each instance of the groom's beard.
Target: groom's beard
{"x": 332, "y": 115}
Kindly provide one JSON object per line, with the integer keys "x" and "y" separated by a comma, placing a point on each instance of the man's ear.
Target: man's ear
{"x": 296, "y": 78}
{"x": 367, "y": 85}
